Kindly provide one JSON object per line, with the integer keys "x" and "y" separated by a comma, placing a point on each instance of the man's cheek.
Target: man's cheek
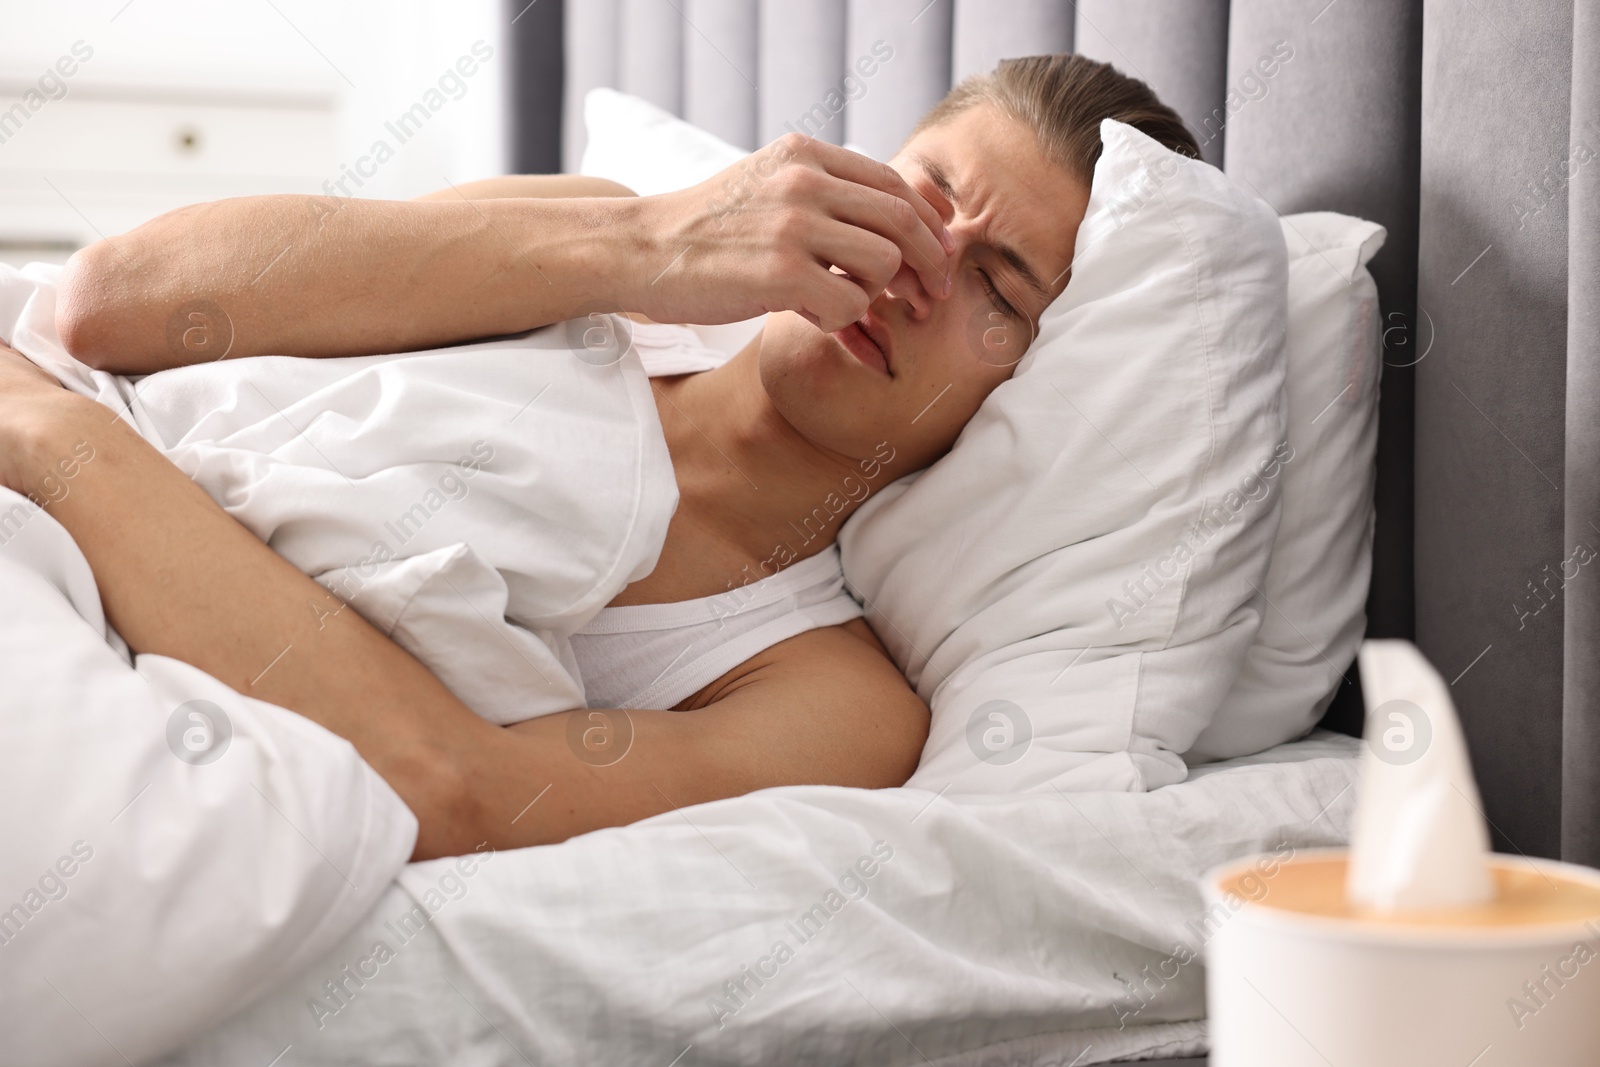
{"x": 994, "y": 339}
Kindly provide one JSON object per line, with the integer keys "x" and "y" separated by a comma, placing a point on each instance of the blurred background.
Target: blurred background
{"x": 114, "y": 112}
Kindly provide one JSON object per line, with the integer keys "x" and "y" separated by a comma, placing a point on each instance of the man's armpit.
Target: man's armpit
{"x": 823, "y": 707}
{"x": 850, "y": 649}
{"x": 859, "y": 627}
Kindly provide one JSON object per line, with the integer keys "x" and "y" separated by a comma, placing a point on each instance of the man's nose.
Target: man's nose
{"x": 907, "y": 284}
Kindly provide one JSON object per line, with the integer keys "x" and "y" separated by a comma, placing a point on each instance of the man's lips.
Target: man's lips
{"x": 860, "y": 344}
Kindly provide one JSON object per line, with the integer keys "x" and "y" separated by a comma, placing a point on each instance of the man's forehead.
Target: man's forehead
{"x": 1004, "y": 234}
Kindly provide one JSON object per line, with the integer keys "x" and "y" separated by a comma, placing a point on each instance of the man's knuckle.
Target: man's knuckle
{"x": 800, "y": 181}
{"x": 789, "y": 226}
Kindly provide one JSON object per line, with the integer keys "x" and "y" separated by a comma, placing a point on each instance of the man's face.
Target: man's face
{"x": 1012, "y": 214}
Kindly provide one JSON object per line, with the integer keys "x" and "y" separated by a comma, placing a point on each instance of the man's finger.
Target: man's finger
{"x": 873, "y": 175}
{"x": 907, "y": 285}
{"x": 863, "y": 170}
{"x": 868, "y": 259}
{"x": 833, "y": 301}
{"x": 887, "y": 215}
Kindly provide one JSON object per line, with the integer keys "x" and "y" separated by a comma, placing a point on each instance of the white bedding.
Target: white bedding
{"x": 998, "y": 924}
{"x": 477, "y": 503}
{"x": 995, "y": 923}
{"x": 145, "y": 886}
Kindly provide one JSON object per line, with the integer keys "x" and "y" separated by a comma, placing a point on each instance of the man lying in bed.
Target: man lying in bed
{"x": 876, "y": 275}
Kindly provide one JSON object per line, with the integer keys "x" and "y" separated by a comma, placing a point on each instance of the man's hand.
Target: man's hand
{"x": 762, "y": 236}
{"x": 31, "y": 402}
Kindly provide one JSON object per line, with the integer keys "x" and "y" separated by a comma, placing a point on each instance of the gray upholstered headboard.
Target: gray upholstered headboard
{"x": 1468, "y": 128}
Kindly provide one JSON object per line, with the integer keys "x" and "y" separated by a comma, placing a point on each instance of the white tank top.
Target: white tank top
{"x": 657, "y": 655}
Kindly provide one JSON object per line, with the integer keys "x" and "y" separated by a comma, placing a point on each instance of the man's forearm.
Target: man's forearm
{"x": 323, "y": 276}
{"x": 180, "y": 578}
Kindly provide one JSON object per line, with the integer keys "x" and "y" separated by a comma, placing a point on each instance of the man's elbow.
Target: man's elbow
{"x": 84, "y": 308}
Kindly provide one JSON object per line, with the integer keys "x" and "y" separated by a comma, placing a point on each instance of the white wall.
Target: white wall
{"x": 398, "y": 54}
{"x": 169, "y": 102}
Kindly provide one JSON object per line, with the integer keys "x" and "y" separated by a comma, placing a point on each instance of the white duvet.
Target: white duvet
{"x": 809, "y": 926}
{"x": 477, "y": 503}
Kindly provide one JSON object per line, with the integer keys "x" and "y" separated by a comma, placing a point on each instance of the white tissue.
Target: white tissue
{"x": 1420, "y": 839}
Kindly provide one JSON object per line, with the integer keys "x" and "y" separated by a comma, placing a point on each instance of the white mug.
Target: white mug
{"x": 1290, "y": 989}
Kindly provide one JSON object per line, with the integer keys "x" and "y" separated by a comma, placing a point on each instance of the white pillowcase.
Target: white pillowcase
{"x": 1322, "y": 560}
{"x": 1075, "y": 584}
{"x": 647, "y": 149}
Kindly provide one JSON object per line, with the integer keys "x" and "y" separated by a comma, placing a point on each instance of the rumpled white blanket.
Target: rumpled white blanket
{"x": 477, "y": 503}
{"x": 152, "y": 880}
{"x": 808, "y": 926}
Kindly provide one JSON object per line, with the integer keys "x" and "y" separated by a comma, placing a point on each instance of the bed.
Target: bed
{"x": 1467, "y": 130}
{"x": 1462, "y": 128}
{"x": 1063, "y": 928}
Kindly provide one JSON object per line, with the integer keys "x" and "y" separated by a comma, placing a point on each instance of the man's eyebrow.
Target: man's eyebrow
{"x": 936, "y": 174}
{"x": 941, "y": 181}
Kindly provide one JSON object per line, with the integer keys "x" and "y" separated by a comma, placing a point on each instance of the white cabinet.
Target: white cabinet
{"x": 170, "y": 102}
{"x": 100, "y": 161}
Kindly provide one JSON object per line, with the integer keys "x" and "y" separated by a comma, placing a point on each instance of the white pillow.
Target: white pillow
{"x": 647, "y": 149}
{"x": 1075, "y": 585}
{"x": 1317, "y": 583}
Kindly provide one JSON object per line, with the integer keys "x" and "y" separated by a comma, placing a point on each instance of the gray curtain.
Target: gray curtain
{"x": 1490, "y": 423}
{"x": 906, "y": 85}
{"x": 1179, "y": 50}
{"x": 1580, "y": 692}
{"x": 1339, "y": 129}
{"x": 719, "y": 68}
{"x": 986, "y": 31}
{"x": 801, "y": 60}
{"x": 1469, "y": 130}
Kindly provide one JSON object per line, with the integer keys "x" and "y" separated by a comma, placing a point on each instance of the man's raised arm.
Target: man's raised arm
{"x": 324, "y": 276}
{"x": 800, "y": 225}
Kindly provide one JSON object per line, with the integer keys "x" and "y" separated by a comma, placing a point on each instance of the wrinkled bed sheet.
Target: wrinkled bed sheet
{"x": 158, "y": 892}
